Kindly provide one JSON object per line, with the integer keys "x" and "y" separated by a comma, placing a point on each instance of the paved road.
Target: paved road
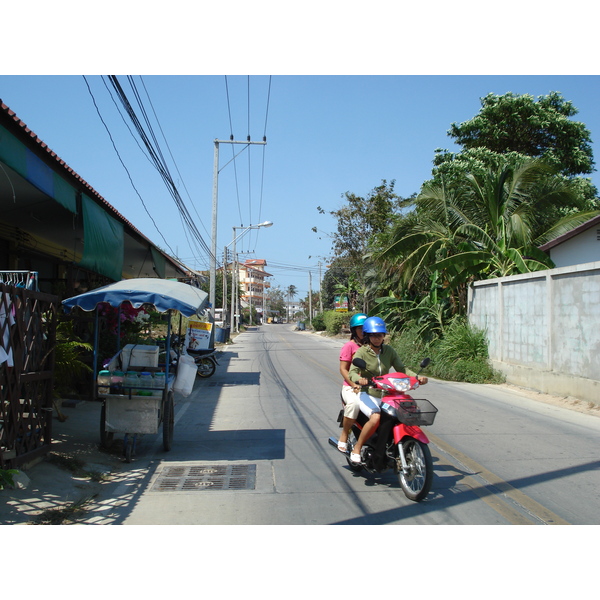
{"x": 250, "y": 447}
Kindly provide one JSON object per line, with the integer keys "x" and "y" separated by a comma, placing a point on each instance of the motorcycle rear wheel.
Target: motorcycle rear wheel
{"x": 416, "y": 484}
{"x": 206, "y": 367}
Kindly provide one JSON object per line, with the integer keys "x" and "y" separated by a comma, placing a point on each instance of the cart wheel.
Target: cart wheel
{"x": 106, "y": 437}
{"x": 129, "y": 445}
{"x": 168, "y": 421}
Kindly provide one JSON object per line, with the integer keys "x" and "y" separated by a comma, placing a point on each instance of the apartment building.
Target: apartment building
{"x": 253, "y": 287}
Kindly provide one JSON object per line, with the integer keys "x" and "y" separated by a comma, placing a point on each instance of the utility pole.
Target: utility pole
{"x": 235, "y": 274}
{"x": 224, "y": 287}
{"x": 213, "y": 257}
{"x": 310, "y": 298}
{"x": 320, "y": 289}
{"x": 250, "y": 272}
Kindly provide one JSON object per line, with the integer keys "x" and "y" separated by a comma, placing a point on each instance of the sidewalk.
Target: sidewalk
{"x": 76, "y": 481}
{"x": 73, "y": 473}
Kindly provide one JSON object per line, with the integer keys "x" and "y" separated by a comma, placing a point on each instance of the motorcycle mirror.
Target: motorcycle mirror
{"x": 360, "y": 363}
{"x": 425, "y": 362}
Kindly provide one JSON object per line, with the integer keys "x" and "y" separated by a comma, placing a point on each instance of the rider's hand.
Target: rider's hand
{"x": 422, "y": 380}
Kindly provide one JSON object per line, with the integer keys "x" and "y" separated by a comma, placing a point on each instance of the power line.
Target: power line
{"x": 249, "y": 164}
{"x": 123, "y": 164}
{"x": 171, "y": 155}
{"x": 262, "y": 174}
{"x": 157, "y": 157}
{"x": 135, "y": 139}
{"x": 237, "y": 189}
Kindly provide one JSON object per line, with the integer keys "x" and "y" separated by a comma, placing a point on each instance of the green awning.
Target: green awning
{"x": 160, "y": 262}
{"x": 103, "y": 243}
{"x": 32, "y": 168}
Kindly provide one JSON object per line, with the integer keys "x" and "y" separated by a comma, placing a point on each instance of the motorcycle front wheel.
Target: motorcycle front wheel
{"x": 206, "y": 367}
{"x": 417, "y": 482}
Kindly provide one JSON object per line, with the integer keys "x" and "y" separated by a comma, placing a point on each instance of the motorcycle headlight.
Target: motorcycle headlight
{"x": 400, "y": 384}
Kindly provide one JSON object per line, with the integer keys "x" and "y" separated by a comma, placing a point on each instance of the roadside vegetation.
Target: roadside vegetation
{"x": 518, "y": 181}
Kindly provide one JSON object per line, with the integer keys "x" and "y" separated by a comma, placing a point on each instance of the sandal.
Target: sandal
{"x": 342, "y": 446}
{"x": 355, "y": 459}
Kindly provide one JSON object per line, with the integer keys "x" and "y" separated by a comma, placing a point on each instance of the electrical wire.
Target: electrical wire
{"x": 172, "y": 157}
{"x": 135, "y": 139}
{"x": 156, "y": 155}
{"x": 249, "y": 163}
{"x": 123, "y": 164}
{"x": 237, "y": 190}
{"x": 262, "y": 174}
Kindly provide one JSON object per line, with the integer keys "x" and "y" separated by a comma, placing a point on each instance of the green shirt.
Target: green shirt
{"x": 377, "y": 364}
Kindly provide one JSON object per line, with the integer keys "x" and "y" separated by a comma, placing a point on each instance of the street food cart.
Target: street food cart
{"x": 143, "y": 406}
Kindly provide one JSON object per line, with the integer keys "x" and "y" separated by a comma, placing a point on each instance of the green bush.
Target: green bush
{"x": 334, "y": 321}
{"x": 410, "y": 346}
{"x": 460, "y": 355}
{"x": 318, "y": 323}
{"x": 463, "y": 354}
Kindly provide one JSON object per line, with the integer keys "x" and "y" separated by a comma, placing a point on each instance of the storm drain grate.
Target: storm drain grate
{"x": 206, "y": 477}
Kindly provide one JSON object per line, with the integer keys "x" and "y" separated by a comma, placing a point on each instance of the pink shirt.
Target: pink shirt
{"x": 347, "y": 352}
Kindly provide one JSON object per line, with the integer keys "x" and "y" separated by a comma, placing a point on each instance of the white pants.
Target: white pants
{"x": 369, "y": 404}
{"x": 352, "y": 407}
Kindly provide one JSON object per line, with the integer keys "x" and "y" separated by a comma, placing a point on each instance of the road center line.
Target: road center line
{"x": 529, "y": 505}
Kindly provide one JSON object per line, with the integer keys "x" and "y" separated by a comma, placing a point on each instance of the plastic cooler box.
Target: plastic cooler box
{"x": 139, "y": 355}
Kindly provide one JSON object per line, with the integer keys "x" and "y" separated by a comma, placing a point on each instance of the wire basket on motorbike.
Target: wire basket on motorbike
{"x": 412, "y": 412}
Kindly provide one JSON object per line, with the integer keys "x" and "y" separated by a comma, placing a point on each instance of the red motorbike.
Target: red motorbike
{"x": 399, "y": 443}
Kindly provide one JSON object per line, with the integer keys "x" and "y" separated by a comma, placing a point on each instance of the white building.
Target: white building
{"x": 253, "y": 284}
{"x": 578, "y": 246}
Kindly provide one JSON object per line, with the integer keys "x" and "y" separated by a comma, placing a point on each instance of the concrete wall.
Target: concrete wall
{"x": 544, "y": 328}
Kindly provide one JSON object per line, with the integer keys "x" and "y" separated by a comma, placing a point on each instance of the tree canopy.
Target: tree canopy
{"x": 515, "y": 185}
{"x": 360, "y": 222}
{"x": 512, "y": 128}
{"x": 539, "y": 128}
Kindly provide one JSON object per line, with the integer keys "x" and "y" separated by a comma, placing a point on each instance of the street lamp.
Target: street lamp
{"x": 234, "y": 275}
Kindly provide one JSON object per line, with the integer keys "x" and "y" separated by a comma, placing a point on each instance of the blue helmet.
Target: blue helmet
{"x": 357, "y": 320}
{"x": 374, "y": 325}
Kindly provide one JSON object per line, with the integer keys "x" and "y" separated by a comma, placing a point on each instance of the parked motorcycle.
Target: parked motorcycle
{"x": 399, "y": 443}
{"x": 206, "y": 362}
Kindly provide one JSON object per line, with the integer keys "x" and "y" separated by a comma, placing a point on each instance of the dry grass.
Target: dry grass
{"x": 64, "y": 515}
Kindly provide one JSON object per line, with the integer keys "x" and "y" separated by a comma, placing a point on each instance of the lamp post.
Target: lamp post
{"x": 234, "y": 276}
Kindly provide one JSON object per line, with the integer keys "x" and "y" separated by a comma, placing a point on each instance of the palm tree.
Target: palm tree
{"x": 479, "y": 227}
{"x": 501, "y": 220}
{"x": 292, "y": 292}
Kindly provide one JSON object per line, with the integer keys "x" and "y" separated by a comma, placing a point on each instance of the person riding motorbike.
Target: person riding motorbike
{"x": 350, "y": 390}
{"x": 379, "y": 359}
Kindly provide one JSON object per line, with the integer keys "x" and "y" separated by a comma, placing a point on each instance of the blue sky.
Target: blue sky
{"x": 356, "y": 96}
{"x": 325, "y": 135}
